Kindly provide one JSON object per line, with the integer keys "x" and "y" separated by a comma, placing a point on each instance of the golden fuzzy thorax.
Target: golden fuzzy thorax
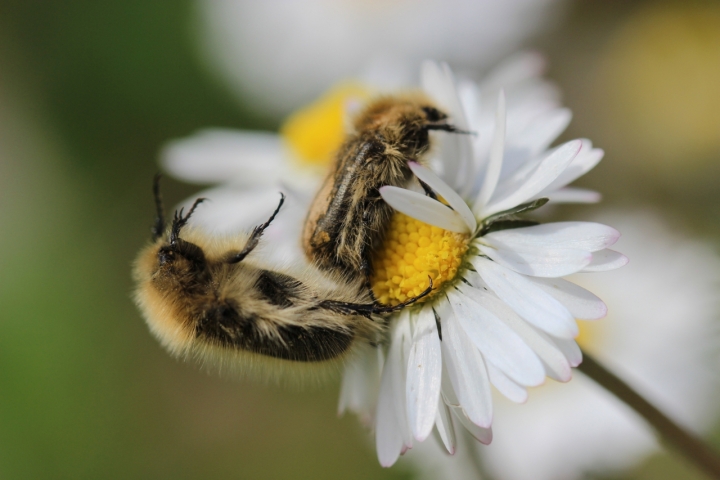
{"x": 246, "y": 315}
{"x": 347, "y": 218}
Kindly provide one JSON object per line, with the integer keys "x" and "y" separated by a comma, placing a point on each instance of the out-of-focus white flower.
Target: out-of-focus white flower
{"x": 251, "y": 167}
{"x": 500, "y": 314}
{"x": 279, "y": 55}
{"x": 431, "y": 461}
{"x": 661, "y": 336}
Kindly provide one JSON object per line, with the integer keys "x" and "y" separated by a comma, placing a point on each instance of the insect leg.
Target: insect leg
{"x": 255, "y": 236}
{"x": 367, "y": 309}
{"x": 159, "y": 226}
{"x": 179, "y": 221}
{"x": 367, "y": 272}
{"x": 428, "y": 191}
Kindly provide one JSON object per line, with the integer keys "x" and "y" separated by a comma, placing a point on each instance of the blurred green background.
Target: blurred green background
{"x": 89, "y": 91}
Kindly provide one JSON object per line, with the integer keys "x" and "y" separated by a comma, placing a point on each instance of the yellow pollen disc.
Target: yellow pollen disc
{"x": 411, "y": 252}
{"x": 317, "y": 130}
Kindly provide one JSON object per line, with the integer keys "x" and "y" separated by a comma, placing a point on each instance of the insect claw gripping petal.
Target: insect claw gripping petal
{"x": 379, "y": 308}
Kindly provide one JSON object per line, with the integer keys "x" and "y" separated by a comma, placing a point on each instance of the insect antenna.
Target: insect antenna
{"x": 446, "y": 127}
{"x": 179, "y": 221}
{"x": 255, "y": 235}
{"x": 159, "y": 226}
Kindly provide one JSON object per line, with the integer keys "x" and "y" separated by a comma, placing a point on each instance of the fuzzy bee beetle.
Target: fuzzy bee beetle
{"x": 347, "y": 218}
{"x": 211, "y": 298}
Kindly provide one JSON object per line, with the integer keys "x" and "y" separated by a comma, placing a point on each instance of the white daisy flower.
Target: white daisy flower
{"x": 505, "y": 318}
{"x": 279, "y": 55}
{"x": 667, "y": 297}
{"x": 500, "y": 314}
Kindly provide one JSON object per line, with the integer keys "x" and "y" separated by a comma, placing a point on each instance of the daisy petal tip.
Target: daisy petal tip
{"x": 601, "y": 313}
{"x": 576, "y": 145}
{"x": 613, "y": 236}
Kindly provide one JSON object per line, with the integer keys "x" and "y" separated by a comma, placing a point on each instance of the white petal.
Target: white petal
{"x": 526, "y": 185}
{"x": 469, "y": 94}
{"x": 388, "y": 437}
{"x": 229, "y": 210}
{"x": 572, "y": 195}
{"x": 481, "y": 434}
{"x": 542, "y": 131}
{"x": 497, "y": 149}
{"x": 526, "y": 299}
{"x": 539, "y": 262}
{"x": 515, "y": 69}
{"x": 581, "y": 303}
{"x": 212, "y": 156}
{"x": 423, "y": 208}
{"x": 444, "y": 190}
{"x": 554, "y": 362}
{"x": 570, "y": 349}
{"x": 466, "y": 369}
{"x": 585, "y": 161}
{"x": 424, "y": 375}
{"x": 447, "y": 392}
{"x": 392, "y": 435}
{"x": 511, "y": 390}
{"x": 605, "y": 260}
{"x": 456, "y": 150}
{"x": 438, "y": 81}
{"x": 498, "y": 343}
{"x": 587, "y": 236}
{"x": 361, "y": 384}
{"x": 445, "y": 427}
{"x": 400, "y": 349}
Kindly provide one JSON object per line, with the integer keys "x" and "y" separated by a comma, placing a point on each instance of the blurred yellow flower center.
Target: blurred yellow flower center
{"x": 591, "y": 333}
{"x": 316, "y": 131}
{"x": 412, "y": 252}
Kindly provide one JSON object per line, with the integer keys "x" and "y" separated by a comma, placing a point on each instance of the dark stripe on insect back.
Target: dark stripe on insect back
{"x": 356, "y": 156}
{"x": 328, "y": 233}
{"x": 222, "y": 325}
{"x": 278, "y": 288}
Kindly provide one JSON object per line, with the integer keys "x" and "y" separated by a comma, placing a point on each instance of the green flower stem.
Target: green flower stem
{"x": 690, "y": 445}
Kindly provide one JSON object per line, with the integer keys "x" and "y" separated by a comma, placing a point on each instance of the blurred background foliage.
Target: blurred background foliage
{"x": 89, "y": 91}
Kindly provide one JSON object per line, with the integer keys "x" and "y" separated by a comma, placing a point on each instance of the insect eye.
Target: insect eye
{"x": 433, "y": 114}
{"x": 165, "y": 255}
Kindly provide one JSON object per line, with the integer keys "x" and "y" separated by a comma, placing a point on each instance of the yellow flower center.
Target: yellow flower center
{"x": 591, "y": 333}
{"x": 316, "y": 131}
{"x": 412, "y": 252}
